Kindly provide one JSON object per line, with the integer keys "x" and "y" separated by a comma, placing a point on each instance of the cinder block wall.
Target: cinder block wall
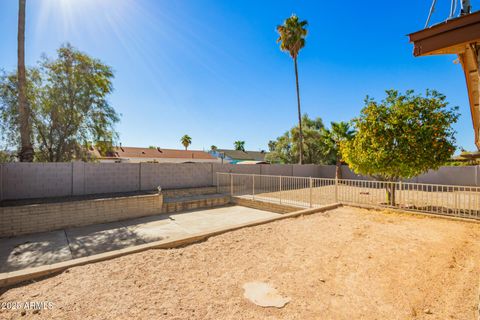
{"x": 111, "y": 177}
{"x": 234, "y": 168}
{"x": 27, "y": 219}
{"x": 43, "y": 180}
{"x": 468, "y": 176}
{"x": 36, "y": 180}
{"x": 276, "y": 169}
{"x": 305, "y": 170}
{"x": 173, "y": 175}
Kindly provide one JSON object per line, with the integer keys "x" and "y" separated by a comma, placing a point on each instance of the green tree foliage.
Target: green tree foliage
{"x": 338, "y": 133}
{"x": 186, "y": 141}
{"x": 239, "y": 145}
{"x": 69, "y": 107}
{"x": 272, "y": 144}
{"x": 213, "y": 148}
{"x": 292, "y": 35}
{"x": 315, "y": 148}
{"x": 6, "y": 156}
{"x": 402, "y": 136}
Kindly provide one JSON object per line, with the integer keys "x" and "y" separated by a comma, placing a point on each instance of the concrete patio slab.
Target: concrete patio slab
{"x": 98, "y": 238}
{"x": 33, "y": 250}
{"x": 51, "y": 247}
{"x": 219, "y": 217}
{"x": 155, "y": 228}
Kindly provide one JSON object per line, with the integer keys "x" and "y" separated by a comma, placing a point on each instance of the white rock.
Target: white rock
{"x": 264, "y": 295}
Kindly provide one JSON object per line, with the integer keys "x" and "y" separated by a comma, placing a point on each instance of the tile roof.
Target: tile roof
{"x": 244, "y": 155}
{"x": 133, "y": 152}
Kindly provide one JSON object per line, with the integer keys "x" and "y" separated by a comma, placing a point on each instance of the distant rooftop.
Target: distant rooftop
{"x": 243, "y": 155}
{"x": 155, "y": 153}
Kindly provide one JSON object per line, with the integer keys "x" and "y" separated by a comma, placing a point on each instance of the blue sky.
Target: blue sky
{"x": 212, "y": 69}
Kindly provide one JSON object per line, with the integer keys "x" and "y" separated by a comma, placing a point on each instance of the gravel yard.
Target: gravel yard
{"x": 347, "y": 263}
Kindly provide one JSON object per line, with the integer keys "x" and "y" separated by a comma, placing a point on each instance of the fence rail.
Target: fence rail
{"x": 461, "y": 201}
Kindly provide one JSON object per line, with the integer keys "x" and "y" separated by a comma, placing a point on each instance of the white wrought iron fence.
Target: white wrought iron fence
{"x": 463, "y": 201}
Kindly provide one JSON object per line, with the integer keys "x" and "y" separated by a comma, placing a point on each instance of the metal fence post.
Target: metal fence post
{"x": 336, "y": 189}
{"x": 280, "y": 190}
{"x": 400, "y": 193}
{"x": 311, "y": 186}
{"x": 253, "y": 187}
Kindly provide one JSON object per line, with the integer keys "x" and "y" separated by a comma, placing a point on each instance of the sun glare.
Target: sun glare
{"x": 85, "y": 17}
{"x": 133, "y": 27}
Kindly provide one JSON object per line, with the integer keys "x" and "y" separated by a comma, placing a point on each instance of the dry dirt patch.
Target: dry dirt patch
{"x": 347, "y": 263}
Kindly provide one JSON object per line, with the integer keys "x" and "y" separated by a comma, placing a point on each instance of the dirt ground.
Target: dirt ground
{"x": 347, "y": 263}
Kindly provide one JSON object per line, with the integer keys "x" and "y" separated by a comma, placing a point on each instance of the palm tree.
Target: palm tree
{"x": 186, "y": 141}
{"x": 213, "y": 148}
{"x": 339, "y": 132}
{"x": 292, "y": 39}
{"x": 272, "y": 144}
{"x": 26, "y": 150}
{"x": 239, "y": 145}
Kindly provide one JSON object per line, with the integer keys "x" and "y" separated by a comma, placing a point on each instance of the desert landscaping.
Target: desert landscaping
{"x": 341, "y": 264}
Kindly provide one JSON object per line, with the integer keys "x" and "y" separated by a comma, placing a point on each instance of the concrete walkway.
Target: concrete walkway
{"x": 57, "y": 246}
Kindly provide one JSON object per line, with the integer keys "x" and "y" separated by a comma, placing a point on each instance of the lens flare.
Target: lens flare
{"x": 161, "y": 37}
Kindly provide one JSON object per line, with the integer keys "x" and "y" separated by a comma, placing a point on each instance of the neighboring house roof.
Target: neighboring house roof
{"x": 243, "y": 155}
{"x": 133, "y": 152}
{"x": 252, "y": 162}
{"x": 467, "y": 156}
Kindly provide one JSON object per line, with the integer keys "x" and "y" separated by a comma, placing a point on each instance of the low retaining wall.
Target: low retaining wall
{"x": 261, "y": 205}
{"x": 25, "y": 219}
{"x": 191, "y": 203}
{"x": 188, "y": 192}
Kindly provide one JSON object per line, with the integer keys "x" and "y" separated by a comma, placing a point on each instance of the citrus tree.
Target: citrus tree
{"x": 402, "y": 136}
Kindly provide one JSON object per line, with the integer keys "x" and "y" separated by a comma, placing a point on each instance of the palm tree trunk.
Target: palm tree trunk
{"x": 26, "y": 151}
{"x": 338, "y": 169}
{"x": 300, "y": 136}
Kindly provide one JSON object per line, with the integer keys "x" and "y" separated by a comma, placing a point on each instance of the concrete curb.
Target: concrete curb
{"x": 12, "y": 278}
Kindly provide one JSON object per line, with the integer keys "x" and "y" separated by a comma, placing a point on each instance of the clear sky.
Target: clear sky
{"x": 212, "y": 69}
